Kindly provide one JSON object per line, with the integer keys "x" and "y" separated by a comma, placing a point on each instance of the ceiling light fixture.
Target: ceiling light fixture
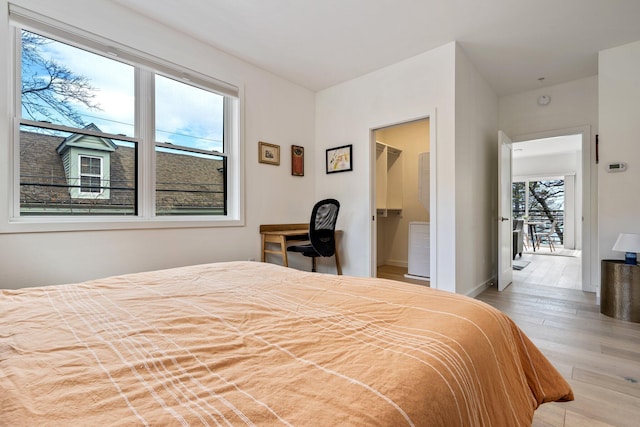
{"x": 544, "y": 100}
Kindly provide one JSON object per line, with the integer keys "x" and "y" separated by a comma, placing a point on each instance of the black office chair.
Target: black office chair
{"x": 322, "y": 237}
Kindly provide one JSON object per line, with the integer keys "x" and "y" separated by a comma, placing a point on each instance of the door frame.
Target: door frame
{"x": 433, "y": 235}
{"x": 505, "y": 231}
{"x": 589, "y": 199}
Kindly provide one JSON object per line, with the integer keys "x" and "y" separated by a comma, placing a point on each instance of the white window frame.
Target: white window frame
{"x": 146, "y": 66}
{"x": 90, "y": 175}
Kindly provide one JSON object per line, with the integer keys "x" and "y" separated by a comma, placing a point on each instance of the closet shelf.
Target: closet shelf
{"x": 389, "y": 180}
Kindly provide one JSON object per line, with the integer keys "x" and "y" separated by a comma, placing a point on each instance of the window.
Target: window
{"x": 190, "y": 179}
{"x": 90, "y": 175}
{"x": 69, "y": 173}
{"x": 540, "y": 200}
{"x": 107, "y": 131}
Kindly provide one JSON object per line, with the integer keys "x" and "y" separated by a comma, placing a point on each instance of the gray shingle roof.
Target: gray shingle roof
{"x": 185, "y": 183}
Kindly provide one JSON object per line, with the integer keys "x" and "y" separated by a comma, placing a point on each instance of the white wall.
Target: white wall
{"x": 346, "y": 114}
{"x": 476, "y": 177}
{"x": 619, "y": 88}
{"x": 464, "y": 150}
{"x": 573, "y": 107}
{"x": 573, "y": 104}
{"x": 275, "y": 111}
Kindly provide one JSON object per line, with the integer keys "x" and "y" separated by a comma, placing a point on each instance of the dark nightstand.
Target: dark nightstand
{"x": 620, "y": 290}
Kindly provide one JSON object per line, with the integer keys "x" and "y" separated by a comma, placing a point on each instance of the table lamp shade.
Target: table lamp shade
{"x": 630, "y": 245}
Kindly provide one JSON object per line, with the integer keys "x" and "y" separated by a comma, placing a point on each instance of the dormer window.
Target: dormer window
{"x": 87, "y": 164}
{"x": 90, "y": 175}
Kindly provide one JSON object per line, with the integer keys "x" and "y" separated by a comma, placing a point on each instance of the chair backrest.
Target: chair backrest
{"x": 323, "y": 225}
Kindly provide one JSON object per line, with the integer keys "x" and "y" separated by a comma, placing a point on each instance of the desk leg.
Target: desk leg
{"x": 264, "y": 246}
{"x": 283, "y": 248}
{"x": 338, "y": 267}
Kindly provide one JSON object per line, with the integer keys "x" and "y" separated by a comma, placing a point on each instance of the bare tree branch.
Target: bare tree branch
{"x": 52, "y": 90}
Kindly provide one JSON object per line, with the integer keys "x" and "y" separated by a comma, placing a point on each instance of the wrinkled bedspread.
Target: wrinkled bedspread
{"x": 246, "y": 343}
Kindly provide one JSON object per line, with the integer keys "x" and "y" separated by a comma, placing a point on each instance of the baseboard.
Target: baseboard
{"x": 481, "y": 288}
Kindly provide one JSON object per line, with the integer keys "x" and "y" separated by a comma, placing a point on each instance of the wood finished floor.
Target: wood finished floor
{"x": 599, "y": 356}
{"x": 550, "y": 270}
{"x": 397, "y": 273}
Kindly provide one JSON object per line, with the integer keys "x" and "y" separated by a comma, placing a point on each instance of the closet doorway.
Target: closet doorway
{"x": 402, "y": 200}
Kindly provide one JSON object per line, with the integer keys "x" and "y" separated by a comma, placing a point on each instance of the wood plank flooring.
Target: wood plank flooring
{"x": 599, "y": 356}
{"x": 550, "y": 270}
{"x": 397, "y": 273}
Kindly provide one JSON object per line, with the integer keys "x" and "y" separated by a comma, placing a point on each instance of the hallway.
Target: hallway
{"x": 549, "y": 270}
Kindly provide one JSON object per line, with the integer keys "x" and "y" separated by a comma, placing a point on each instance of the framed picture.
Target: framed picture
{"x": 297, "y": 160}
{"x": 268, "y": 153}
{"x": 339, "y": 159}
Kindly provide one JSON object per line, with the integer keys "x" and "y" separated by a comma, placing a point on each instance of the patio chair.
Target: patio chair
{"x": 546, "y": 235}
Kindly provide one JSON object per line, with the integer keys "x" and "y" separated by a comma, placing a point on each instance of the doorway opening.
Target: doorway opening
{"x": 547, "y": 195}
{"x": 402, "y": 201}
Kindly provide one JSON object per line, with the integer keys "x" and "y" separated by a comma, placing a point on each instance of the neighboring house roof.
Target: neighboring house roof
{"x": 184, "y": 183}
{"x": 84, "y": 141}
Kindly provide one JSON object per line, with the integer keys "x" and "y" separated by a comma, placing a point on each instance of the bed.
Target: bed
{"x": 247, "y": 343}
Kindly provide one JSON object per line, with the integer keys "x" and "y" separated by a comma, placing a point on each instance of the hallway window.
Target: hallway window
{"x": 540, "y": 200}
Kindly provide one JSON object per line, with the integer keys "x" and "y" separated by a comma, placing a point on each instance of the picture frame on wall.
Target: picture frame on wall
{"x": 339, "y": 159}
{"x": 297, "y": 160}
{"x": 268, "y": 153}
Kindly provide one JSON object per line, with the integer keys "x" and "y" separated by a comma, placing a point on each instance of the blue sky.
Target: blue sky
{"x": 185, "y": 115}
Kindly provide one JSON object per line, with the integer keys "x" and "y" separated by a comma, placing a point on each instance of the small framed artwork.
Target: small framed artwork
{"x": 268, "y": 153}
{"x": 297, "y": 160}
{"x": 339, "y": 159}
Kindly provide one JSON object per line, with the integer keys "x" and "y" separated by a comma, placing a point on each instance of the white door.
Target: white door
{"x": 505, "y": 227}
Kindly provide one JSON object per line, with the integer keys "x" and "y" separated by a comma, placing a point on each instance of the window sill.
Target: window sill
{"x": 49, "y": 224}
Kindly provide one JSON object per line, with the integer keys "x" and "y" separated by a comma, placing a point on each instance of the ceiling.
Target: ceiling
{"x": 320, "y": 43}
{"x": 548, "y": 146}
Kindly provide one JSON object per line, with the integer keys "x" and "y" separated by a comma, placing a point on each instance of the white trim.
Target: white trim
{"x": 83, "y": 39}
{"x": 431, "y": 116}
{"x": 14, "y": 154}
{"x": 541, "y": 177}
{"x": 145, "y": 67}
{"x": 589, "y": 200}
{"x": 412, "y": 277}
{"x": 100, "y": 176}
{"x": 96, "y": 223}
{"x": 145, "y": 115}
{"x": 433, "y": 201}
{"x": 480, "y": 288}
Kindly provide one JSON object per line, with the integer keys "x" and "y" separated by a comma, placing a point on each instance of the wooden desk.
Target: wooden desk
{"x": 283, "y": 233}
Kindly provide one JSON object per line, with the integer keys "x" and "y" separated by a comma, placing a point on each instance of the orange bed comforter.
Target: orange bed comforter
{"x": 246, "y": 343}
